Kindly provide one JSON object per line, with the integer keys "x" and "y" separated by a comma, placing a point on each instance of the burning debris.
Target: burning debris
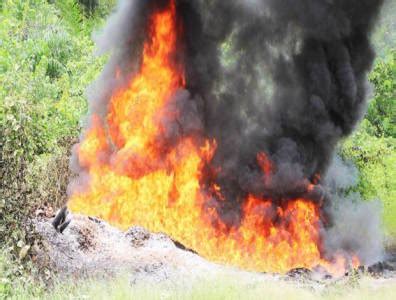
{"x": 92, "y": 248}
{"x": 215, "y": 122}
{"x": 60, "y": 222}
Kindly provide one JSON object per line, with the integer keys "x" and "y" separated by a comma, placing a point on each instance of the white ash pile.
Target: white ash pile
{"x": 90, "y": 247}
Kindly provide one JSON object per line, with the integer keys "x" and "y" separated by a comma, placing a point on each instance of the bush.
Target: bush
{"x": 375, "y": 158}
{"x": 382, "y": 109}
{"x": 372, "y": 147}
{"x": 45, "y": 67}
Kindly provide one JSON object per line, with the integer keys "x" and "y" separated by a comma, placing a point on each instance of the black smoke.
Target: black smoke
{"x": 283, "y": 77}
{"x": 295, "y": 83}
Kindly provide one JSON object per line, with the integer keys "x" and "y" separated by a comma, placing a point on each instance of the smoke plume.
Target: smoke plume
{"x": 284, "y": 77}
{"x": 281, "y": 77}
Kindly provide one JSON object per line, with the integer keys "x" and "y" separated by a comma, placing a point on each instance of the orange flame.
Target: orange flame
{"x": 140, "y": 182}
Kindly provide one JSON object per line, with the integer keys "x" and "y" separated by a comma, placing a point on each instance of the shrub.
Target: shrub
{"x": 375, "y": 158}
{"x": 45, "y": 67}
{"x": 382, "y": 109}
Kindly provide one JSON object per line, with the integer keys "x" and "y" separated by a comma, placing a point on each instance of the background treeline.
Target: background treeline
{"x": 46, "y": 62}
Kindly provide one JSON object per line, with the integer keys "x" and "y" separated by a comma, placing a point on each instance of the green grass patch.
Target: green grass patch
{"x": 222, "y": 287}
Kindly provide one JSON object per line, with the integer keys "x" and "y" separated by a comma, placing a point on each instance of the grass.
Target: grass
{"x": 216, "y": 288}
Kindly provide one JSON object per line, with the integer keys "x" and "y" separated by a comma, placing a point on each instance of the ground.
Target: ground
{"x": 95, "y": 260}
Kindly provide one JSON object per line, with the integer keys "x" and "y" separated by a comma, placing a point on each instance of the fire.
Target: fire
{"x": 134, "y": 179}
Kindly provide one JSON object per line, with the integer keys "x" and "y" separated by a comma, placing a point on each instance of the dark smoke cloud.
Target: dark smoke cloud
{"x": 312, "y": 55}
{"x": 283, "y": 77}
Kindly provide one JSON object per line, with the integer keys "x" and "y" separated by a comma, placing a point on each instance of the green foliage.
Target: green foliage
{"x": 382, "y": 110}
{"x": 97, "y": 7}
{"x": 14, "y": 279}
{"x": 375, "y": 158}
{"x": 5, "y": 284}
{"x": 82, "y": 16}
{"x": 45, "y": 67}
{"x": 373, "y": 147}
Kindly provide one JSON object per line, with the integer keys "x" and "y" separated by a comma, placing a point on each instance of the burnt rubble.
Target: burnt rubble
{"x": 137, "y": 235}
{"x": 91, "y": 247}
{"x": 384, "y": 268}
{"x": 60, "y": 222}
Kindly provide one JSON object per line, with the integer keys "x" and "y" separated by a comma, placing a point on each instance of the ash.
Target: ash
{"x": 91, "y": 248}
